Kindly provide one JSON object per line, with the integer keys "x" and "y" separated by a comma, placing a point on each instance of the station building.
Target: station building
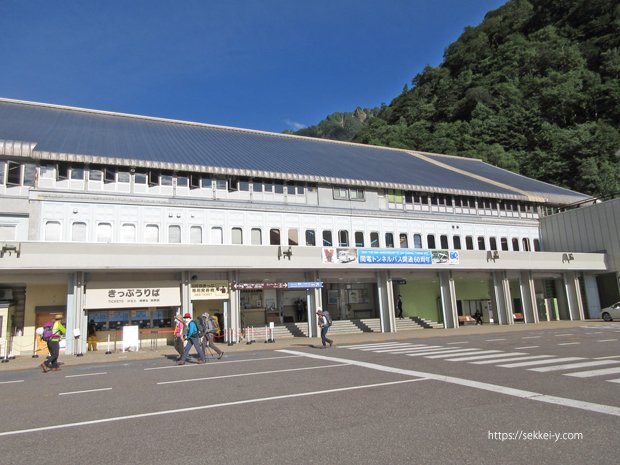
{"x": 128, "y": 220}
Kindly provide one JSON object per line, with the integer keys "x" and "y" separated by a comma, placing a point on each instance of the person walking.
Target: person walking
{"x": 325, "y": 321}
{"x": 53, "y": 346}
{"x": 192, "y": 338}
{"x": 179, "y": 328}
{"x": 210, "y": 333}
{"x": 399, "y": 306}
{"x": 91, "y": 335}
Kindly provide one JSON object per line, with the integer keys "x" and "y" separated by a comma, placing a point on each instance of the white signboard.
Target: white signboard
{"x": 209, "y": 290}
{"x": 131, "y": 338}
{"x": 132, "y": 295}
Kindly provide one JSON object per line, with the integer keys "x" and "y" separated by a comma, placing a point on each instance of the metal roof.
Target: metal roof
{"x": 90, "y": 136}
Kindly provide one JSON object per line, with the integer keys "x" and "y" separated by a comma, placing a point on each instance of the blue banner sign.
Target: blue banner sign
{"x": 395, "y": 257}
{"x": 305, "y": 285}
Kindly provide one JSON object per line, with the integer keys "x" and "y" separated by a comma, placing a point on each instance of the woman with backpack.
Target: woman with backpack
{"x": 52, "y": 336}
{"x": 192, "y": 338}
{"x": 325, "y": 321}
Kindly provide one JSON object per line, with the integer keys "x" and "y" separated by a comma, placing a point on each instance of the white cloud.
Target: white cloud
{"x": 294, "y": 125}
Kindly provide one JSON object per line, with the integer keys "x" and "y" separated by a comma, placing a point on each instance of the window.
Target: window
{"x": 53, "y": 231}
{"x": 278, "y": 187}
{"x": 151, "y": 233}
{"x": 274, "y": 236}
{"x": 359, "y": 239}
{"x": 109, "y": 175}
{"x": 443, "y": 240}
{"x": 123, "y": 176}
{"x": 244, "y": 185}
{"x": 95, "y": 174}
{"x": 62, "y": 171}
{"x": 195, "y": 235}
{"x": 30, "y": 174}
{"x": 236, "y": 236}
{"x": 469, "y": 243}
{"x": 503, "y": 242}
{"x": 515, "y": 244}
{"x": 404, "y": 242}
{"x": 256, "y": 236}
{"x": 430, "y": 241}
{"x": 77, "y": 174}
{"x": 341, "y": 193}
{"x": 481, "y": 243}
{"x": 293, "y": 237}
{"x": 45, "y": 171}
{"x": 78, "y": 232}
{"x": 526, "y": 244}
{"x": 310, "y": 237}
{"x": 8, "y": 232}
{"x": 165, "y": 180}
{"x": 456, "y": 241}
{"x": 140, "y": 178}
{"x": 327, "y": 239}
{"x": 343, "y": 238}
{"x": 356, "y": 194}
{"x": 268, "y": 186}
{"x": 104, "y": 232}
{"x": 128, "y": 232}
{"x": 257, "y": 186}
{"x": 14, "y": 177}
{"x": 493, "y": 243}
{"x": 374, "y": 239}
{"x": 182, "y": 181}
{"x": 174, "y": 234}
{"x": 217, "y": 235}
{"x": 417, "y": 241}
{"x": 536, "y": 245}
{"x": 221, "y": 184}
{"x": 389, "y": 240}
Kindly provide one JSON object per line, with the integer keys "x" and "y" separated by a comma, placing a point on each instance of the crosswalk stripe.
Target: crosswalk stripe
{"x": 591, "y": 373}
{"x": 402, "y": 349}
{"x": 441, "y": 350}
{"x": 614, "y": 380}
{"x": 384, "y": 347}
{"x": 377, "y": 344}
{"x": 482, "y": 357}
{"x": 512, "y": 359}
{"x": 471, "y": 353}
{"x": 574, "y": 365}
{"x": 541, "y": 362}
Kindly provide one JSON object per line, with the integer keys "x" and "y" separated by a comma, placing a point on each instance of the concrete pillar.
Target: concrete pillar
{"x": 76, "y": 317}
{"x": 573, "y": 295}
{"x": 448, "y": 299}
{"x": 383, "y": 296}
{"x": 313, "y": 300}
{"x": 502, "y": 298}
{"x": 593, "y": 301}
{"x": 186, "y": 299}
{"x": 233, "y": 312}
{"x": 528, "y": 297}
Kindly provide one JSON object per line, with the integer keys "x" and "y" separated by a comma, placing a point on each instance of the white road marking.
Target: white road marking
{"x": 479, "y": 352}
{"x": 531, "y": 337}
{"x": 573, "y": 365}
{"x": 87, "y": 374}
{"x": 492, "y": 340}
{"x": 463, "y": 342}
{"x": 483, "y": 357}
{"x": 591, "y": 373}
{"x": 9, "y": 382}
{"x": 442, "y": 351}
{"x": 609, "y": 356}
{"x": 221, "y": 362}
{"x": 614, "y": 380}
{"x": 562, "y": 335}
{"x": 526, "y": 347}
{"x": 250, "y": 374}
{"x": 377, "y": 345}
{"x": 528, "y": 395}
{"x": 513, "y": 359}
{"x": 607, "y": 340}
{"x": 401, "y": 349}
{"x": 205, "y": 407}
{"x": 393, "y": 346}
{"x": 541, "y": 362}
{"x": 569, "y": 343}
{"x": 82, "y": 392}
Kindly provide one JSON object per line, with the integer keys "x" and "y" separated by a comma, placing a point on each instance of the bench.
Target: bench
{"x": 464, "y": 319}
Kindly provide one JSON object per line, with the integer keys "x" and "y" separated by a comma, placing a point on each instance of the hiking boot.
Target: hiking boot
{"x": 220, "y": 356}
{"x": 44, "y": 367}
{"x": 56, "y": 369}
{"x": 331, "y": 343}
{"x": 180, "y": 363}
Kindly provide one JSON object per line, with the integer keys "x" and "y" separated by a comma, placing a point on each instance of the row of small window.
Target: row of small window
{"x": 128, "y": 233}
{"x": 420, "y": 198}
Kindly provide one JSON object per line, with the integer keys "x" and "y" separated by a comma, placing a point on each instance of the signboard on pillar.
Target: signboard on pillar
{"x": 210, "y": 290}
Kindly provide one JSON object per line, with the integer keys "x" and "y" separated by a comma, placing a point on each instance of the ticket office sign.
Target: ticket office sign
{"x": 136, "y": 295}
{"x": 210, "y": 290}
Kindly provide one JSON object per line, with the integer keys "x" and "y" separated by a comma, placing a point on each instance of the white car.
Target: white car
{"x": 612, "y": 312}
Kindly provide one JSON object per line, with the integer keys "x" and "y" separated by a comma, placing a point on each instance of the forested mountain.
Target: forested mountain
{"x": 535, "y": 88}
{"x": 340, "y": 126}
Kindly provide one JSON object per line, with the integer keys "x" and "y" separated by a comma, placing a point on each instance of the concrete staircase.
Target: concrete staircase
{"x": 427, "y": 324}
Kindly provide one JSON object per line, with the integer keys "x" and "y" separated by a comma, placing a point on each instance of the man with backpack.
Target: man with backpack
{"x": 52, "y": 333}
{"x": 325, "y": 321}
{"x": 192, "y": 337}
{"x": 211, "y": 330}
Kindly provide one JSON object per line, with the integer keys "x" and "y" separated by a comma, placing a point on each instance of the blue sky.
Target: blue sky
{"x": 269, "y": 65}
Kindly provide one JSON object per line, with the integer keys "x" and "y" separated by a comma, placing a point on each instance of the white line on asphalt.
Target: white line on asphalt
{"x": 397, "y": 350}
{"x": 561, "y": 335}
{"x": 82, "y": 392}
{"x": 87, "y": 374}
{"x": 421, "y": 349}
{"x": 512, "y": 359}
{"x": 609, "y": 356}
{"x": 376, "y": 344}
{"x": 204, "y": 407}
{"x": 528, "y": 395}
{"x": 483, "y": 357}
{"x": 463, "y": 342}
{"x": 568, "y": 343}
{"x": 614, "y": 380}
{"x": 493, "y": 340}
{"x": 541, "y": 362}
{"x": 9, "y": 382}
{"x": 440, "y": 351}
{"x": 479, "y": 352}
{"x": 526, "y": 347}
{"x": 591, "y": 373}
{"x": 573, "y": 365}
{"x": 607, "y": 340}
{"x": 394, "y": 346}
{"x": 250, "y": 374}
{"x": 531, "y": 337}
{"x": 220, "y": 362}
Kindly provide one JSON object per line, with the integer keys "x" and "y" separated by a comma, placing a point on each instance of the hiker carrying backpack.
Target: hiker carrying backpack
{"x": 48, "y": 331}
{"x": 201, "y": 327}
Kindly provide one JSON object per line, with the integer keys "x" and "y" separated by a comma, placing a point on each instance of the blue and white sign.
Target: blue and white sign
{"x": 305, "y": 285}
{"x": 394, "y": 257}
{"x": 454, "y": 257}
